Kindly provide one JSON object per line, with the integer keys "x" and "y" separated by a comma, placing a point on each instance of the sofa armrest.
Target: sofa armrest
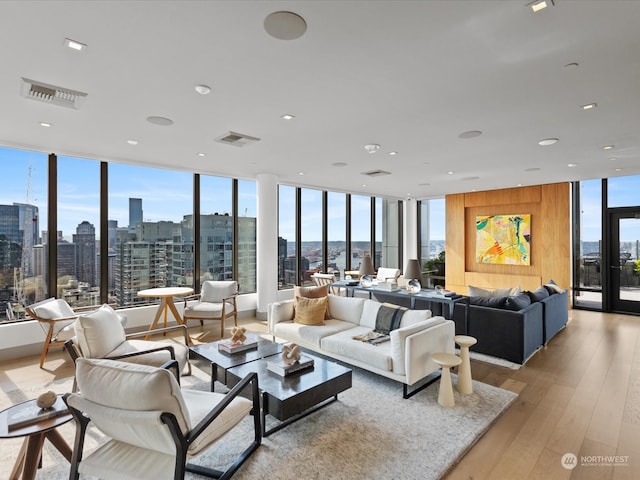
{"x": 279, "y": 312}
{"x": 555, "y": 314}
{"x": 412, "y": 346}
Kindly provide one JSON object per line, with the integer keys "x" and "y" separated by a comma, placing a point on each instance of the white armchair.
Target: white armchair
{"x": 100, "y": 334}
{"x": 152, "y": 424}
{"x": 57, "y": 319}
{"x": 216, "y": 301}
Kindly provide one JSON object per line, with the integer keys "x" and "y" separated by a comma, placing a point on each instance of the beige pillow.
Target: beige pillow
{"x": 313, "y": 292}
{"x": 499, "y": 292}
{"x": 310, "y": 311}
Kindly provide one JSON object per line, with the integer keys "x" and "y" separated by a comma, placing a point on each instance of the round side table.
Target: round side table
{"x": 446, "y": 361}
{"x": 35, "y": 435}
{"x": 464, "y": 372}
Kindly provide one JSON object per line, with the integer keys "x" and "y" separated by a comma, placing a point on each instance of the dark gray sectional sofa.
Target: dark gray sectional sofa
{"x": 513, "y": 328}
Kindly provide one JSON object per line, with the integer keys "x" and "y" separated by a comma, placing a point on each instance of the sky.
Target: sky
{"x": 166, "y": 195}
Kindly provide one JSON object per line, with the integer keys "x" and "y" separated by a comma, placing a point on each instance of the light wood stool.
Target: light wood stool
{"x": 446, "y": 361}
{"x": 464, "y": 371}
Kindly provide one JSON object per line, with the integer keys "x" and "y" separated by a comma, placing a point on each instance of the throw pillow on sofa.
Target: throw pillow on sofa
{"x": 498, "y": 292}
{"x": 491, "y": 302}
{"x": 538, "y": 294}
{"x": 310, "y": 311}
{"x": 313, "y": 292}
{"x": 517, "y": 302}
{"x": 553, "y": 287}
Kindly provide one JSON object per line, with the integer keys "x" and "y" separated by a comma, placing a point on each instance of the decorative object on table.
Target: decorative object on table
{"x": 366, "y": 266}
{"x": 413, "y": 274}
{"x": 503, "y": 239}
{"x": 30, "y": 412}
{"x": 290, "y": 353}
{"x": 46, "y": 400}
{"x": 390, "y": 285}
{"x": 290, "y": 362}
{"x": 440, "y": 290}
{"x": 366, "y": 281}
{"x": 238, "y": 335}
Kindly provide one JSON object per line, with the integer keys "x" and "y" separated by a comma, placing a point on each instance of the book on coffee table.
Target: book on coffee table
{"x": 28, "y": 413}
{"x": 228, "y": 347}
{"x": 279, "y": 367}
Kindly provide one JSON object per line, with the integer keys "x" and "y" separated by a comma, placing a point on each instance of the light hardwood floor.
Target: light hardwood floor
{"x": 580, "y": 394}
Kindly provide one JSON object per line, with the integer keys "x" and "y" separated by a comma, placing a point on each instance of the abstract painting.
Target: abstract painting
{"x": 503, "y": 239}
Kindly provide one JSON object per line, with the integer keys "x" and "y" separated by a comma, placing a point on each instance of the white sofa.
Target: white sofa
{"x": 405, "y": 358}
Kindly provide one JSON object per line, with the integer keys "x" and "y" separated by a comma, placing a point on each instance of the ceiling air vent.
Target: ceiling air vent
{"x": 43, "y": 92}
{"x": 237, "y": 139}
{"x": 376, "y": 173}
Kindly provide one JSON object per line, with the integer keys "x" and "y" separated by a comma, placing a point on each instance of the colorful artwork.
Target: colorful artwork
{"x": 504, "y": 239}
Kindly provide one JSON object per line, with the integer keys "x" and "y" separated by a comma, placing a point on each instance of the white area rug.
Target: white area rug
{"x": 501, "y": 362}
{"x": 370, "y": 433}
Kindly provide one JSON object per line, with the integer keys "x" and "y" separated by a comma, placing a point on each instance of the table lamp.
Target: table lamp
{"x": 413, "y": 274}
{"x": 365, "y": 271}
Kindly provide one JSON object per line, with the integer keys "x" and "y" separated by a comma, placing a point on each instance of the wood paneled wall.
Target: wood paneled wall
{"x": 549, "y": 206}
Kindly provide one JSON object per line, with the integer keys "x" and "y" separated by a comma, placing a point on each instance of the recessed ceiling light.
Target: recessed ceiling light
{"x": 618, "y": 169}
{"x": 202, "y": 154}
{"x": 409, "y": 194}
{"x": 547, "y": 141}
{"x": 607, "y": 147}
{"x": 470, "y": 134}
{"x": 589, "y": 106}
{"x": 163, "y": 121}
{"x": 203, "y": 89}
{"x": 393, "y": 153}
{"x": 519, "y": 185}
{"x": 300, "y": 173}
{"x": 538, "y": 5}
{"x": 45, "y": 124}
{"x": 613, "y": 158}
{"x": 73, "y": 45}
{"x": 132, "y": 142}
{"x": 288, "y": 116}
{"x": 571, "y": 165}
{"x": 339, "y": 164}
{"x": 364, "y": 185}
{"x": 449, "y": 173}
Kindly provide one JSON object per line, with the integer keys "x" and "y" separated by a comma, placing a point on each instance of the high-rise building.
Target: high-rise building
{"x": 85, "y": 242}
{"x": 135, "y": 213}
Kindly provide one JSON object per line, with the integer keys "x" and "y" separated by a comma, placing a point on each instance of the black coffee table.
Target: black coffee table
{"x": 221, "y": 362}
{"x": 297, "y": 395}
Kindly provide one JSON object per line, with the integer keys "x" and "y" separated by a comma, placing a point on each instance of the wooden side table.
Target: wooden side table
{"x": 446, "y": 361}
{"x": 35, "y": 435}
{"x": 464, "y": 371}
{"x": 166, "y": 295}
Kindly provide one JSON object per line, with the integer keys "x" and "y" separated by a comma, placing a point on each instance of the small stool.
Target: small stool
{"x": 446, "y": 361}
{"x": 464, "y": 372}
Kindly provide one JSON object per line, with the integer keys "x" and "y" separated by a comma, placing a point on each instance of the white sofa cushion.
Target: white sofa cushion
{"x": 411, "y": 317}
{"x": 369, "y": 314}
{"x": 346, "y": 308}
{"x": 378, "y": 356}
{"x": 99, "y": 332}
{"x": 309, "y": 334}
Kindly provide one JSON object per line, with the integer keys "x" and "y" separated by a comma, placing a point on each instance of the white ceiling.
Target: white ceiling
{"x": 408, "y": 75}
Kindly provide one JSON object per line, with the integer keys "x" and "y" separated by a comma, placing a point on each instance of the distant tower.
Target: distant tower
{"x": 135, "y": 213}
{"x": 85, "y": 252}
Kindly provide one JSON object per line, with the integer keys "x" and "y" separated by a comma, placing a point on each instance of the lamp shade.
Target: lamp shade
{"x": 366, "y": 266}
{"x": 413, "y": 270}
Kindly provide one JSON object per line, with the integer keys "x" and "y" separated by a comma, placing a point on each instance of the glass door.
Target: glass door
{"x": 625, "y": 260}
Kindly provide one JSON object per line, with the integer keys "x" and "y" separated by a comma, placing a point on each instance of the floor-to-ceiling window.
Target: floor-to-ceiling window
{"x": 587, "y": 288}
{"x": 360, "y": 231}
{"x": 337, "y": 233}
{"x": 431, "y": 238}
{"x": 149, "y": 209}
{"x": 216, "y": 228}
{"x": 286, "y": 236}
{"x": 23, "y": 216}
{"x": 246, "y": 238}
{"x": 311, "y": 258}
{"x": 78, "y": 239}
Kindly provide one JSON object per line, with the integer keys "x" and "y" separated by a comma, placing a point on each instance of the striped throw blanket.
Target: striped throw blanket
{"x": 389, "y": 317}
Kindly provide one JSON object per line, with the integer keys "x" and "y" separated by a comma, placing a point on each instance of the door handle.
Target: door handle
{"x": 616, "y": 268}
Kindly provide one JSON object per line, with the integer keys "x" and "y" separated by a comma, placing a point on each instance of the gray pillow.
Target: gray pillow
{"x": 538, "y": 294}
{"x": 492, "y": 302}
{"x": 552, "y": 287}
{"x": 517, "y": 302}
{"x": 482, "y": 292}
